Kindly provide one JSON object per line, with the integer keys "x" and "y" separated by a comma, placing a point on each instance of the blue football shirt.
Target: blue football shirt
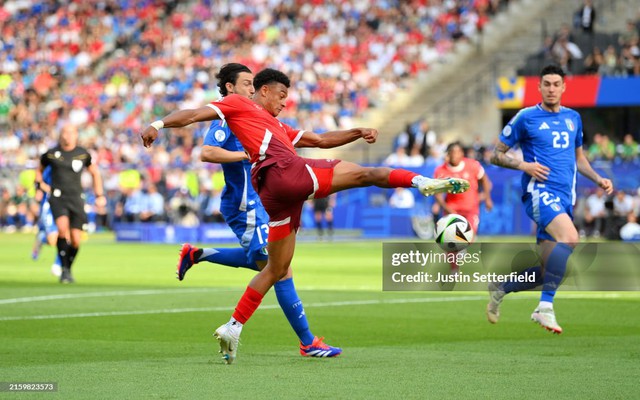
{"x": 550, "y": 139}
{"x": 238, "y": 194}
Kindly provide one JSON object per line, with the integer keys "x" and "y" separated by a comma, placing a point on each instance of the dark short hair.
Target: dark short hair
{"x": 453, "y": 145}
{"x": 229, "y": 74}
{"x": 552, "y": 70}
{"x": 268, "y": 76}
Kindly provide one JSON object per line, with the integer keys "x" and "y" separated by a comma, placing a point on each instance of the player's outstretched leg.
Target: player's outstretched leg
{"x": 431, "y": 186}
{"x": 186, "y": 260}
{"x": 348, "y": 175}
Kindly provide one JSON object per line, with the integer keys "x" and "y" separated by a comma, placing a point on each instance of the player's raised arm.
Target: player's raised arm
{"x": 502, "y": 159}
{"x": 218, "y": 155}
{"x": 584, "y": 167}
{"x": 177, "y": 119}
{"x": 332, "y": 139}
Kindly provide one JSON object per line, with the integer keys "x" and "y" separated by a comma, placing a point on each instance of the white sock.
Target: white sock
{"x": 416, "y": 180}
{"x": 545, "y": 304}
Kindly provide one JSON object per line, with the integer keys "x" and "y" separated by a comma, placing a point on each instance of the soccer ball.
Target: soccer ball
{"x": 453, "y": 233}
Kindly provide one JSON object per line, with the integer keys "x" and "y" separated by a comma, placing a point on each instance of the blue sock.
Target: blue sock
{"x": 236, "y": 258}
{"x": 293, "y": 310}
{"x": 555, "y": 268}
{"x": 516, "y": 286}
{"x": 58, "y": 260}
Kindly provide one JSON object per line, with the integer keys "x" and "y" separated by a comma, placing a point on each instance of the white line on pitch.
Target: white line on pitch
{"x": 108, "y": 294}
{"x": 230, "y": 308}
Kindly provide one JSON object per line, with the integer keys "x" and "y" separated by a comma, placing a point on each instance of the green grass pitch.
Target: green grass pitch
{"x": 129, "y": 330}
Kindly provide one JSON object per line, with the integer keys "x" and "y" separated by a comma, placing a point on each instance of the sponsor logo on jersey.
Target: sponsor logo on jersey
{"x": 543, "y": 126}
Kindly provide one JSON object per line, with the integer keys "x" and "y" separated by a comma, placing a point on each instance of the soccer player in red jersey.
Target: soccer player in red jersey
{"x": 284, "y": 180}
{"x": 466, "y": 204}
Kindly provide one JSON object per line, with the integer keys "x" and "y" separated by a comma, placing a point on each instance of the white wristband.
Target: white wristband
{"x": 158, "y": 124}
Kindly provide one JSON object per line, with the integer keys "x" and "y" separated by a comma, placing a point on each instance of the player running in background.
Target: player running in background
{"x": 67, "y": 160}
{"x": 323, "y": 209}
{"x": 550, "y": 137}
{"x": 284, "y": 180}
{"x": 243, "y": 211}
{"x": 47, "y": 229}
{"x": 466, "y": 204}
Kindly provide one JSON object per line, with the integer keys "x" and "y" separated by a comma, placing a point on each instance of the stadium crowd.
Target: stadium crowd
{"x": 111, "y": 66}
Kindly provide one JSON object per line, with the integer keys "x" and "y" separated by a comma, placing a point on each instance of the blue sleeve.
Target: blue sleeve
{"x": 46, "y": 175}
{"x": 514, "y": 131}
{"x": 578, "y": 131}
{"x": 217, "y": 135}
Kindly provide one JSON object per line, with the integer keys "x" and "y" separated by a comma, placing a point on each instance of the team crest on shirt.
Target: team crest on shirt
{"x": 569, "y": 124}
{"x": 219, "y": 135}
{"x": 76, "y": 165}
{"x": 506, "y": 131}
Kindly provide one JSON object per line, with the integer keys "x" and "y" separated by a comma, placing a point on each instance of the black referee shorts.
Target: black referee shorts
{"x": 71, "y": 207}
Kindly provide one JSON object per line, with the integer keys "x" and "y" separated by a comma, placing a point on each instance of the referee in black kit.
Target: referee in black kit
{"x": 67, "y": 160}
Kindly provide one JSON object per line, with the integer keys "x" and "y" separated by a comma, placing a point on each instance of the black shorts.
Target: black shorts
{"x": 71, "y": 207}
{"x": 321, "y": 205}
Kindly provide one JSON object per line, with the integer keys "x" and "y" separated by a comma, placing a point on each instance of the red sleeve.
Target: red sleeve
{"x": 293, "y": 134}
{"x": 228, "y": 106}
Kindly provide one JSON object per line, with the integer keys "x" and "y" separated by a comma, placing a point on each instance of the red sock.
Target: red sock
{"x": 401, "y": 178}
{"x": 248, "y": 303}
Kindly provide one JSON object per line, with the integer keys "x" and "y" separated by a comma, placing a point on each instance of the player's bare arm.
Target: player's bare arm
{"x": 487, "y": 185}
{"x": 502, "y": 159}
{"x": 98, "y": 190}
{"x": 218, "y": 155}
{"x": 39, "y": 180}
{"x": 177, "y": 119}
{"x": 337, "y": 138}
{"x": 584, "y": 167}
{"x": 439, "y": 197}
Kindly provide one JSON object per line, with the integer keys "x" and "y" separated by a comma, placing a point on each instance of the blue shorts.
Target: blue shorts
{"x": 542, "y": 207}
{"x": 46, "y": 222}
{"x": 252, "y": 229}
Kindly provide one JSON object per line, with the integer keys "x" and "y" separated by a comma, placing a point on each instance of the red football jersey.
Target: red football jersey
{"x": 262, "y": 135}
{"x": 470, "y": 170}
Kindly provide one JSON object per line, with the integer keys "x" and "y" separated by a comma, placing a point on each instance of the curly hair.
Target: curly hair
{"x": 268, "y": 76}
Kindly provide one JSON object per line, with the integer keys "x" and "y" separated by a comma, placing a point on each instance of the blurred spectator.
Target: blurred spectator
{"x": 593, "y": 62}
{"x": 622, "y": 209}
{"x": 425, "y": 137}
{"x": 397, "y": 159}
{"x": 628, "y": 150}
{"x": 630, "y": 230}
{"x": 133, "y": 205}
{"x": 602, "y": 148}
{"x": 630, "y": 33}
{"x": 595, "y": 213}
{"x": 183, "y": 210}
{"x": 565, "y": 52}
{"x": 415, "y": 158}
{"x": 152, "y": 209}
{"x": 586, "y": 17}
{"x": 209, "y": 202}
{"x": 402, "y": 198}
